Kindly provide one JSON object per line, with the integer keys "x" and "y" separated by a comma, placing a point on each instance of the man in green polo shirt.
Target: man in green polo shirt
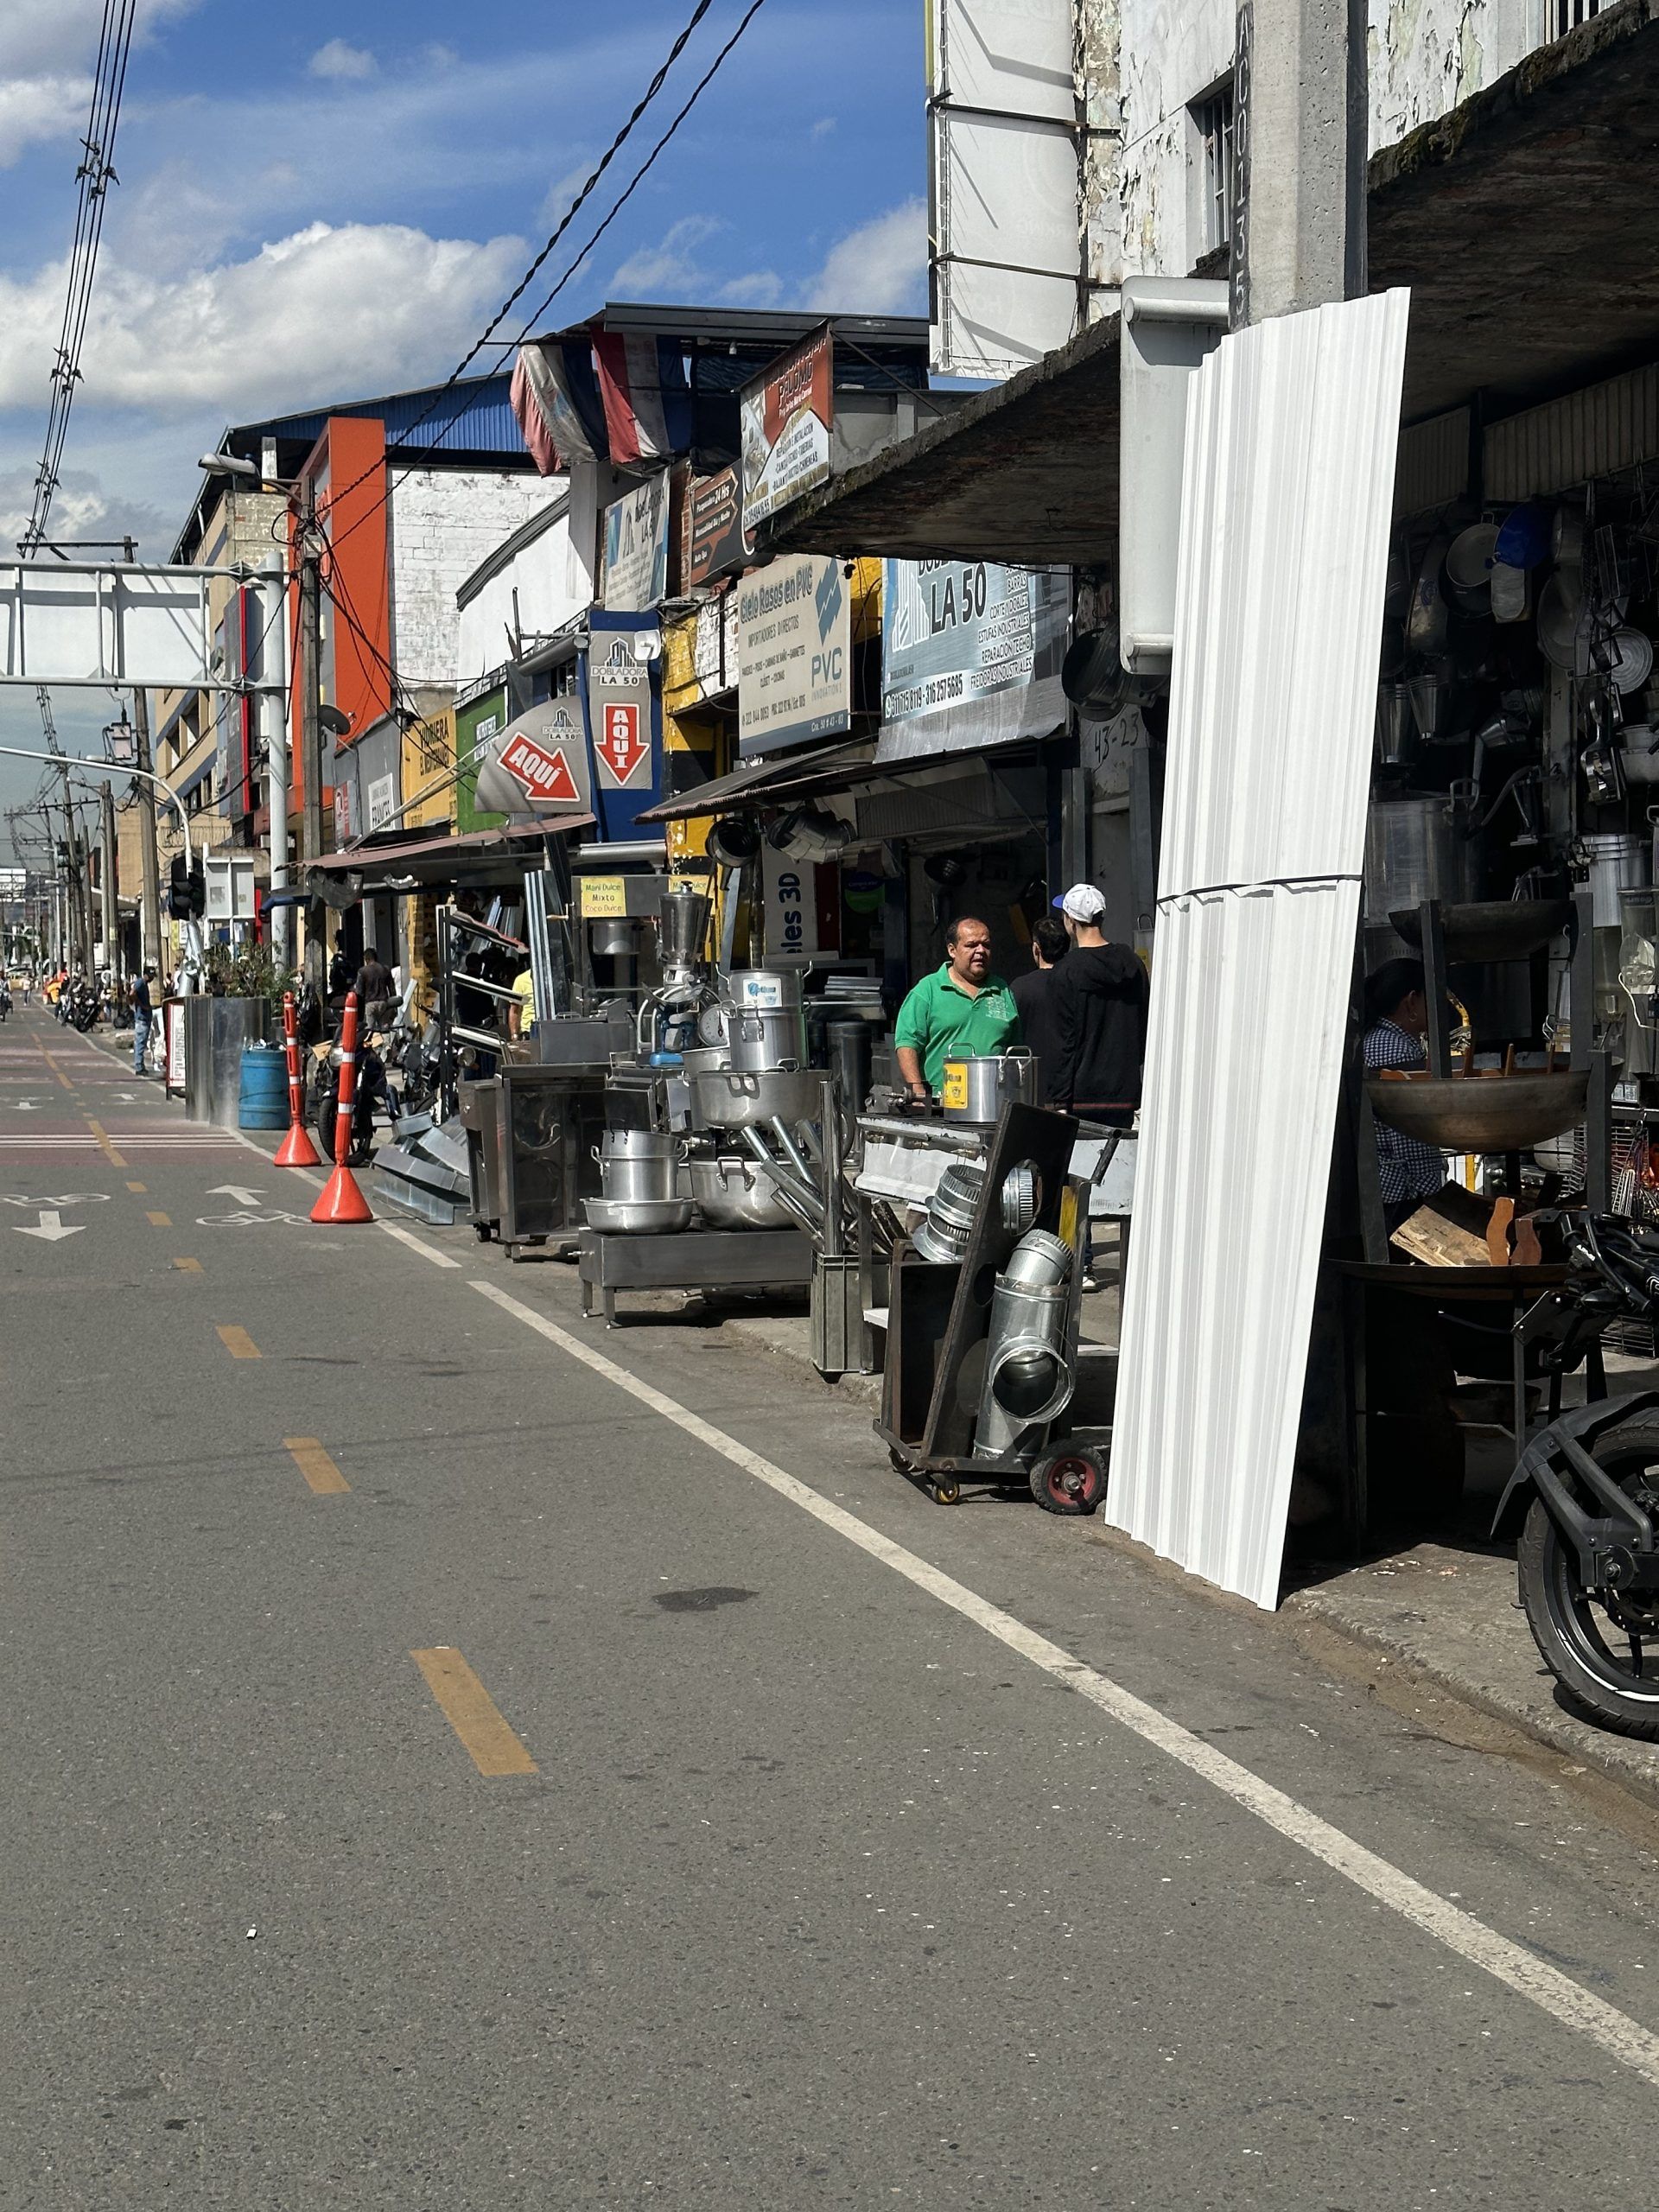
{"x": 961, "y": 1007}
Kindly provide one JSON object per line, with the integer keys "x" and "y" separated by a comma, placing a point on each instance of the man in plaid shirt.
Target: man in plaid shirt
{"x": 1396, "y": 1019}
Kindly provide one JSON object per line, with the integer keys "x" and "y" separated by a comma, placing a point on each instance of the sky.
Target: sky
{"x": 322, "y": 202}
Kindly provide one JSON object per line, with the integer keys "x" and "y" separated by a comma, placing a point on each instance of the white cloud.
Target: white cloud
{"x": 669, "y": 270}
{"x": 879, "y": 268}
{"x": 315, "y": 316}
{"x": 81, "y": 508}
{"x": 762, "y": 288}
{"x": 36, "y": 108}
{"x": 47, "y": 47}
{"x": 822, "y": 128}
{"x": 337, "y": 59}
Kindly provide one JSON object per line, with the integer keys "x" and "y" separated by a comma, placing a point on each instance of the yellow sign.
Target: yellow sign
{"x": 954, "y": 1095}
{"x": 604, "y": 898}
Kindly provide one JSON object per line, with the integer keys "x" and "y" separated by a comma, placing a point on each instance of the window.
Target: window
{"x": 1569, "y": 13}
{"x": 1213, "y": 119}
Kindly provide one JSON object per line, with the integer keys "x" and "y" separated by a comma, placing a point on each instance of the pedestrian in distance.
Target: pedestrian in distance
{"x": 1033, "y": 994}
{"x": 377, "y": 989}
{"x": 1101, "y": 994}
{"x": 961, "y": 1008}
{"x": 143, "y": 1015}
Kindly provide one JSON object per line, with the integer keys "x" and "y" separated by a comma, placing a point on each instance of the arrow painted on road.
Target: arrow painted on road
{"x": 24, "y": 1105}
{"x": 51, "y": 1229}
{"x": 233, "y": 1191}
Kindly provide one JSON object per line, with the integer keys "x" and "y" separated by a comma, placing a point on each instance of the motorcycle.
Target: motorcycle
{"x": 372, "y": 1090}
{"x": 1584, "y": 1499}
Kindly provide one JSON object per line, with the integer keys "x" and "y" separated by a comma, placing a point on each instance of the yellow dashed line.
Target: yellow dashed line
{"x": 141, "y": 1188}
{"x": 239, "y": 1344}
{"x": 472, "y": 1713}
{"x": 103, "y": 1144}
{"x": 189, "y": 1267}
{"x": 314, "y": 1464}
{"x": 159, "y": 1220}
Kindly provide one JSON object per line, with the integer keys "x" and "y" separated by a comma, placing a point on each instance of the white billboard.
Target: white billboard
{"x": 1005, "y": 254}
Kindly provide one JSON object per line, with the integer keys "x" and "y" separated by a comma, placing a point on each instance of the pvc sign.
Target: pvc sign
{"x": 795, "y": 653}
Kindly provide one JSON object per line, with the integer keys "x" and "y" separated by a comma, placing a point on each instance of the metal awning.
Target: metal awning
{"x": 1525, "y": 223}
{"x": 763, "y": 782}
{"x": 479, "y": 856}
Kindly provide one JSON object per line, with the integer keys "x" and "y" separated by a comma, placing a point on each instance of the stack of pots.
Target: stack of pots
{"x": 766, "y": 1075}
{"x": 638, "y": 1173}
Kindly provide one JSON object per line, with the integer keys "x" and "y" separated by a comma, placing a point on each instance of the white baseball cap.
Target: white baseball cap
{"x": 1081, "y": 903}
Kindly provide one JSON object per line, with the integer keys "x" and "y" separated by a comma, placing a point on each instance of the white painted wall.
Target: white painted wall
{"x": 551, "y": 589}
{"x": 441, "y": 524}
{"x": 1425, "y": 57}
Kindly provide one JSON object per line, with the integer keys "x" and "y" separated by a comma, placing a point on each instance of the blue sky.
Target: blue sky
{"x": 320, "y": 202}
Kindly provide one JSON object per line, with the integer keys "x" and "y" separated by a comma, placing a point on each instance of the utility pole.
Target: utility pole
{"x": 309, "y": 675}
{"x": 109, "y": 884}
{"x": 271, "y": 597}
{"x": 151, "y": 930}
{"x": 1300, "y": 122}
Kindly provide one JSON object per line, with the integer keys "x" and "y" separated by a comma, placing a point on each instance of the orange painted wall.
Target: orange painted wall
{"x": 357, "y": 583}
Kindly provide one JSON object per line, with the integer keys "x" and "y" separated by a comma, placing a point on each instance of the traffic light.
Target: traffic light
{"x": 198, "y": 889}
{"x": 178, "y": 890}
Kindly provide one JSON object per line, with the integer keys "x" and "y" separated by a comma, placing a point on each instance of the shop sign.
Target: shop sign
{"x": 971, "y": 655}
{"x": 636, "y": 547}
{"x": 381, "y": 802}
{"x": 786, "y": 416}
{"x": 715, "y": 539}
{"x": 604, "y": 898}
{"x": 795, "y": 653}
{"x": 793, "y": 923}
{"x": 343, "y": 792}
{"x": 618, "y": 702}
{"x": 539, "y": 766}
{"x": 707, "y": 660}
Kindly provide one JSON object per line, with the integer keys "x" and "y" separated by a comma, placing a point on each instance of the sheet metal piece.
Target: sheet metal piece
{"x": 1291, "y": 450}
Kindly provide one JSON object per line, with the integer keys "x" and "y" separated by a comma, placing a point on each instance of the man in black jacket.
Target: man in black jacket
{"x": 1100, "y": 1017}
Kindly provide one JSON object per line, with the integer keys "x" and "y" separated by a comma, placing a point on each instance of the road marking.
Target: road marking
{"x": 472, "y": 1713}
{"x": 49, "y": 1229}
{"x": 1544, "y": 1985}
{"x": 143, "y": 1189}
{"x": 242, "y": 1196}
{"x": 189, "y": 1267}
{"x": 103, "y": 1144}
{"x": 239, "y": 1344}
{"x": 159, "y": 1220}
{"x": 316, "y": 1465}
{"x": 68, "y": 1198}
{"x": 55, "y": 1069}
{"x": 250, "y": 1220}
{"x": 417, "y": 1244}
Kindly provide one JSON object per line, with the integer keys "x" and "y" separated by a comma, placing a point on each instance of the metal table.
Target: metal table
{"x": 695, "y": 1259}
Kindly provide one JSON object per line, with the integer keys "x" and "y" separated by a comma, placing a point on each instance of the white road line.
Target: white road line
{"x": 416, "y": 1244}
{"x": 1553, "y": 1992}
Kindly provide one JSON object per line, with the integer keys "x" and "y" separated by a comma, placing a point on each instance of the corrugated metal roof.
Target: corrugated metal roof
{"x": 476, "y": 417}
{"x": 1292, "y": 433}
{"x": 1594, "y": 433}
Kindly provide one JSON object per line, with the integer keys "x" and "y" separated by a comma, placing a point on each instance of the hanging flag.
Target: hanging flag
{"x": 646, "y": 400}
{"x": 556, "y": 398}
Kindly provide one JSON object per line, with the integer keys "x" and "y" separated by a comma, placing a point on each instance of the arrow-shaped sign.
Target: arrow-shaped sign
{"x": 51, "y": 1229}
{"x": 233, "y": 1191}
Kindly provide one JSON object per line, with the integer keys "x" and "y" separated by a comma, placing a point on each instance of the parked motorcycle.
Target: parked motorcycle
{"x": 1583, "y": 1498}
{"x": 371, "y": 1091}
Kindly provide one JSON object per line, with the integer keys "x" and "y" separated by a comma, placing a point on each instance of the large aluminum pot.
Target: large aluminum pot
{"x": 638, "y": 1144}
{"x": 732, "y": 1193}
{"x": 639, "y": 1182}
{"x": 734, "y": 1098}
{"x": 976, "y": 1086}
{"x": 759, "y": 1041}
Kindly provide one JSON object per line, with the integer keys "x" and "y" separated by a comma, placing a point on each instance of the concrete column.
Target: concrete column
{"x": 1300, "y": 107}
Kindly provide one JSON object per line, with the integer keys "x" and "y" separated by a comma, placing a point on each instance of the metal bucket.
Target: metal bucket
{"x": 977, "y": 1085}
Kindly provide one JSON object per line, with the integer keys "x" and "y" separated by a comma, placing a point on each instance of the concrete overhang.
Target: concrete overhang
{"x": 1525, "y": 223}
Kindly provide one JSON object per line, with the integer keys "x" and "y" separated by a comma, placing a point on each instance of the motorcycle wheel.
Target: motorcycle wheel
{"x": 1602, "y": 1646}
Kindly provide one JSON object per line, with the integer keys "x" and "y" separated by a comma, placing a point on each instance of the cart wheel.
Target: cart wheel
{"x": 900, "y": 1465}
{"x": 481, "y": 1230}
{"x": 1069, "y": 1481}
{"x": 947, "y": 1490}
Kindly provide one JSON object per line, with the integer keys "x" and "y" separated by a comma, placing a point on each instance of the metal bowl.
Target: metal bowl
{"x": 1481, "y": 1112}
{"x": 1490, "y": 929}
{"x": 726, "y": 1098}
{"x": 644, "y": 1218}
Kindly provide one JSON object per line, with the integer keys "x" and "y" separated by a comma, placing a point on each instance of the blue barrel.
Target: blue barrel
{"x": 264, "y": 1096}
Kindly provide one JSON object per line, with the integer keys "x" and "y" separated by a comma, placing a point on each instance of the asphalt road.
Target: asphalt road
{"x": 438, "y": 1775}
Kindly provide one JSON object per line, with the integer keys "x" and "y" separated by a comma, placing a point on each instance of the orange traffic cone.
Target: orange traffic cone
{"x": 296, "y": 1150}
{"x": 341, "y": 1200}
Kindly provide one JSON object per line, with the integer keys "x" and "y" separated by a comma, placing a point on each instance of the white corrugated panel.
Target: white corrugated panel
{"x": 1290, "y": 450}
{"x": 1291, "y": 427}
{"x": 1593, "y": 432}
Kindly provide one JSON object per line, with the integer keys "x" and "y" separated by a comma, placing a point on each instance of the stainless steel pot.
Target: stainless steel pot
{"x": 758, "y": 1042}
{"x": 734, "y": 1193}
{"x": 638, "y": 1144}
{"x": 734, "y": 1098}
{"x": 1618, "y": 861}
{"x": 977, "y": 1085}
{"x": 656, "y": 1217}
{"x": 639, "y": 1182}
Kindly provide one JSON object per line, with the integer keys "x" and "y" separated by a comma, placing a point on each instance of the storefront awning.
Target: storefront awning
{"x": 763, "y": 783}
{"x": 1526, "y": 223}
{"x": 480, "y": 857}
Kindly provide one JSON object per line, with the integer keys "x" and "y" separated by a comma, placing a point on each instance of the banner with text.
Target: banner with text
{"x": 786, "y": 416}
{"x": 795, "y": 653}
{"x": 971, "y": 655}
{"x": 636, "y": 547}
